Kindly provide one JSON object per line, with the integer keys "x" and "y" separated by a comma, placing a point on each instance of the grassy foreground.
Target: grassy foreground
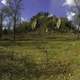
{"x": 40, "y": 60}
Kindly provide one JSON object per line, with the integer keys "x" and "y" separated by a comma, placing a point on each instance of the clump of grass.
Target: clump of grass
{"x": 15, "y": 66}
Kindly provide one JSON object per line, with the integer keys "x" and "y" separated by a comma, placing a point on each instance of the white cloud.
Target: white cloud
{"x": 70, "y": 15}
{"x": 22, "y": 19}
{"x": 5, "y": 2}
{"x": 69, "y": 3}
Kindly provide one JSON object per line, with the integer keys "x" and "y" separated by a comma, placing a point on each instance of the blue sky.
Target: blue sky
{"x": 32, "y": 7}
{"x": 57, "y": 8}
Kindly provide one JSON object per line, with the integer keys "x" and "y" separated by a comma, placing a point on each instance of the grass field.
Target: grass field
{"x": 42, "y": 59}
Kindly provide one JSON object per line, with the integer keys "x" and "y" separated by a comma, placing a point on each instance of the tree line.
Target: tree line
{"x": 42, "y": 22}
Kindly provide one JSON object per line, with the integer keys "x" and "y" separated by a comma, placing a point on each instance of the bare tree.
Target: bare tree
{"x": 75, "y": 8}
{"x": 15, "y": 7}
{"x": 2, "y": 16}
{"x": 1, "y": 22}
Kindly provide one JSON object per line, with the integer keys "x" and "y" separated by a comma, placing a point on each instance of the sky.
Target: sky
{"x": 32, "y": 7}
{"x": 54, "y": 7}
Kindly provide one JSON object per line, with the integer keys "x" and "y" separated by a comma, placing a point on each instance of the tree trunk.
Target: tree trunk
{"x": 0, "y": 31}
{"x": 14, "y": 28}
{"x": 1, "y": 20}
{"x": 78, "y": 33}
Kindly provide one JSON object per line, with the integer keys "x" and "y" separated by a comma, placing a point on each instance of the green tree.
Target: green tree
{"x": 65, "y": 26}
{"x": 24, "y": 27}
{"x": 40, "y": 22}
{"x": 52, "y": 23}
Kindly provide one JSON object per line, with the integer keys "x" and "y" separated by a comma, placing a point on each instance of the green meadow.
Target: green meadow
{"x": 40, "y": 59}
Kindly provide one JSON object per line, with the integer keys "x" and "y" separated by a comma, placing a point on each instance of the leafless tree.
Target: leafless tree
{"x": 15, "y": 7}
{"x": 1, "y": 22}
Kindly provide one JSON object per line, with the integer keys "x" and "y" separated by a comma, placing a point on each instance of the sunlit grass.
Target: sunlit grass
{"x": 65, "y": 53}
